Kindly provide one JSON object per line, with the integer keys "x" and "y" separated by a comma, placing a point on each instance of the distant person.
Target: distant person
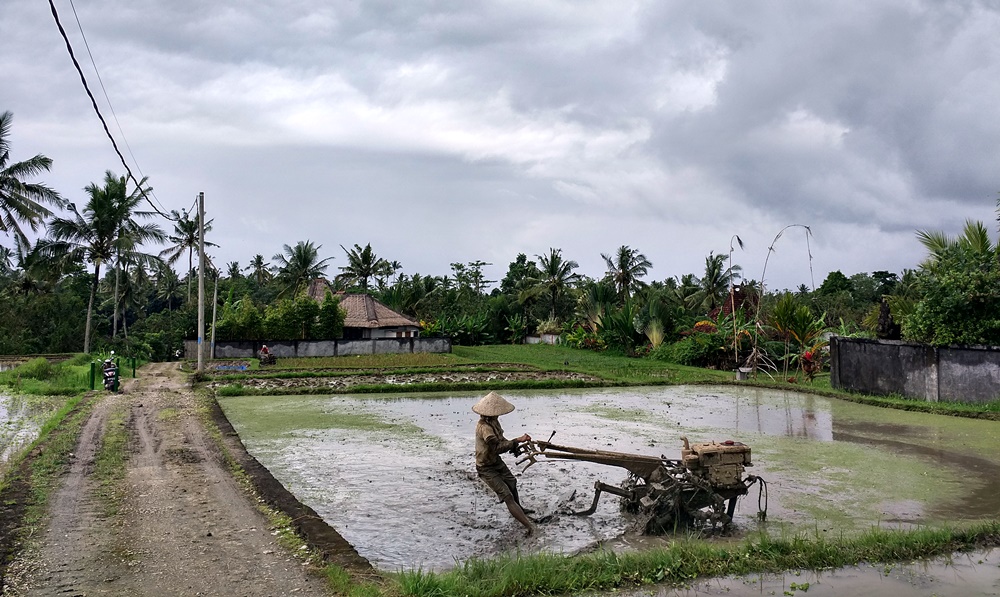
{"x": 264, "y": 350}
{"x": 490, "y": 443}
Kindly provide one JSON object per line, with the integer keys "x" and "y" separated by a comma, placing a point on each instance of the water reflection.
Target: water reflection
{"x": 20, "y": 421}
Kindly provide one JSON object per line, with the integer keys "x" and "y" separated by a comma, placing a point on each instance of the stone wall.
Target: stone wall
{"x": 883, "y": 367}
{"x": 321, "y": 348}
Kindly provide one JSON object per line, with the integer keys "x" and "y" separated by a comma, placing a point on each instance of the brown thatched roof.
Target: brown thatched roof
{"x": 363, "y": 311}
{"x": 317, "y": 289}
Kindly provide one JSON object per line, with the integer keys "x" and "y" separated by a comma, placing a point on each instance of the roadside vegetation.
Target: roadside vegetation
{"x": 60, "y": 375}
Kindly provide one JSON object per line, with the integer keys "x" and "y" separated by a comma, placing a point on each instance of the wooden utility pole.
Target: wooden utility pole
{"x": 201, "y": 282}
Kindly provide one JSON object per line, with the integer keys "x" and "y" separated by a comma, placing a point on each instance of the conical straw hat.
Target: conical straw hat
{"x": 493, "y": 405}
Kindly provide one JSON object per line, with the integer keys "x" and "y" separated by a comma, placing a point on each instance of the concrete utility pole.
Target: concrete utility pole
{"x": 201, "y": 282}
{"x": 215, "y": 303}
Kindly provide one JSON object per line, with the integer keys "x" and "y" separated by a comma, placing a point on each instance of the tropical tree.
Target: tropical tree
{"x": 298, "y": 266}
{"x": 130, "y": 234}
{"x": 598, "y": 299}
{"x": 782, "y": 320}
{"x": 362, "y": 266}
{"x": 684, "y": 289}
{"x": 554, "y": 278}
{"x": 260, "y": 270}
{"x": 22, "y": 202}
{"x": 185, "y": 240}
{"x": 93, "y": 235}
{"x": 233, "y": 271}
{"x": 625, "y": 268}
{"x": 714, "y": 286}
{"x": 167, "y": 284}
{"x": 974, "y": 240}
{"x": 959, "y": 290}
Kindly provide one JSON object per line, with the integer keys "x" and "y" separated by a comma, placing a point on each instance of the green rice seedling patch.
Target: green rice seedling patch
{"x": 267, "y": 417}
{"x": 373, "y": 361}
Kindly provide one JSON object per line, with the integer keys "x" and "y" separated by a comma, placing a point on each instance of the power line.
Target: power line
{"x": 114, "y": 115}
{"x": 83, "y": 79}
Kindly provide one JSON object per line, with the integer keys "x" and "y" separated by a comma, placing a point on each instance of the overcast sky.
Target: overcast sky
{"x": 455, "y": 131}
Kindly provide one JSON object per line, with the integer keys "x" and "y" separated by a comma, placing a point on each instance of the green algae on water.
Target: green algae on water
{"x": 270, "y": 417}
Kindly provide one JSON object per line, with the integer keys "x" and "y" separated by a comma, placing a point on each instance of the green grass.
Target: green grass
{"x": 110, "y": 460}
{"x": 613, "y": 368}
{"x": 683, "y": 562}
{"x": 69, "y": 377}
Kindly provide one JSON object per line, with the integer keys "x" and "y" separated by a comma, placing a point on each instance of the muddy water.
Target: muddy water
{"x": 20, "y": 419}
{"x": 960, "y": 575}
{"x": 395, "y": 475}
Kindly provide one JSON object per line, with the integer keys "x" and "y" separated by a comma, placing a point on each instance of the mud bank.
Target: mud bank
{"x": 346, "y": 381}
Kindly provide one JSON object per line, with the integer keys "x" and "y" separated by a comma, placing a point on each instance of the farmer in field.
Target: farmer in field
{"x": 490, "y": 443}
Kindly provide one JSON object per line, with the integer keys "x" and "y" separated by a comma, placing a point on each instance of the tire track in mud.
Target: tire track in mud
{"x": 185, "y": 526}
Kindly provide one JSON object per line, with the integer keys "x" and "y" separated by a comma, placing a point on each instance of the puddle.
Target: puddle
{"x": 963, "y": 574}
{"x": 20, "y": 419}
{"x": 395, "y": 475}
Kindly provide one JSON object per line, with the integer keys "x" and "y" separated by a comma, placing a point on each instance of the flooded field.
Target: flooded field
{"x": 20, "y": 419}
{"x": 966, "y": 575}
{"x": 395, "y": 475}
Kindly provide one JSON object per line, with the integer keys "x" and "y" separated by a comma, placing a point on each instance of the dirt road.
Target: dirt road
{"x": 184, "y": 528}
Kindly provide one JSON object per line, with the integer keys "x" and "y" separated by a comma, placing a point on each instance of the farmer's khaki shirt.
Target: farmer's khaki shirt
{"x": 490, "y": 442}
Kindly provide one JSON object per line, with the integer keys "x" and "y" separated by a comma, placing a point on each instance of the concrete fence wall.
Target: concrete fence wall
{"x": 883, "y": 367}
{"x": 321, "y": 348}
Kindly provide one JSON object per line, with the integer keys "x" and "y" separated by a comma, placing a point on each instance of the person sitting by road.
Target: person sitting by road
{"x": 264, "y": 351}
{"x": 490, "y": 443}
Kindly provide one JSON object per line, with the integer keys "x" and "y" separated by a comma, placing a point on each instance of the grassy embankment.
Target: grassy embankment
{"x": 684, "y": 562}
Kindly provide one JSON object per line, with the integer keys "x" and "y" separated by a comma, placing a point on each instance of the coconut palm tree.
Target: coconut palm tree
{"x": 362, "y": 266}
{"x": 33, "y": 271}
{"x": 167, "y": 284}
{"x": 555, "y": 277}
{"x": 625, "y": 268}
{"x": 20, "y": 201}
{"x": 95, "y": 235}
{"x": 260, "y": 270}
{"x": 298, "y": 266}
{"x": 131, "y": 233}
{"x": 233, "y": 271}
{"x": 714, "y": 285}
{"x": 185, "y": 239}
{"x": 975, "y": 240}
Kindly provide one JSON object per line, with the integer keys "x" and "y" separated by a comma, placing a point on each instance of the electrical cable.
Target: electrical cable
{"x": 93, "y": 101}
{"x": 114, "y": 114}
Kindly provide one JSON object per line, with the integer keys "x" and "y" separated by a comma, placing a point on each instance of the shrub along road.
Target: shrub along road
{"x": 173, "y": 521}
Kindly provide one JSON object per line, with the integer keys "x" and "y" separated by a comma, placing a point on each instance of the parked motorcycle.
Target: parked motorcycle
{"x": 110, "y": 373}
